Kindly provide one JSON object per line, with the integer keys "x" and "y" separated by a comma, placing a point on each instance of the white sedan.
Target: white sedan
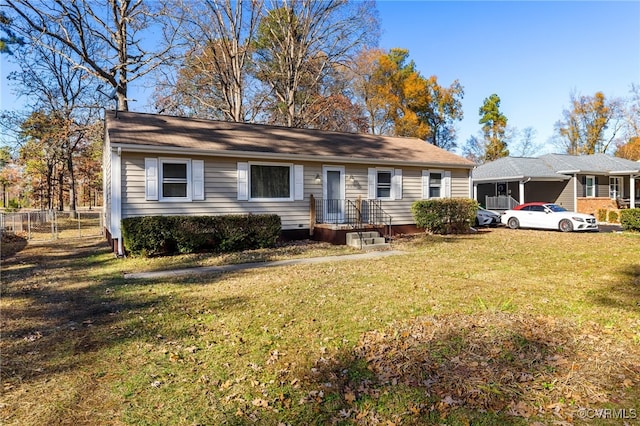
{"x": 548, "y": 216}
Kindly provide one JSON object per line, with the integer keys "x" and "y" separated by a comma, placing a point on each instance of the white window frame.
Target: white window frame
{"x": 162, "y": 180}
{"x": 390, "y": 172}
{"x": 291, "y": 181}
{"x": 590, "y": 190}
{"x": 395, "y": 192}
{"x": 616, "y": 187}
{"x": 445, "y": 183}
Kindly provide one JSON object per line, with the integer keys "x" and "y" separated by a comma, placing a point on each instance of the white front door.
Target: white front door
{"x": 333, "y": 193}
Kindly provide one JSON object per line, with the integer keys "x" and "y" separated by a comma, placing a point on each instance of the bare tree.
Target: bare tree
{"x": 211, "y": 79}
{"x": 590, "y": 126}
{"x": 526, "y": 145}
{"x": 300, "y": 42}
{"x": 58, "y": 94}
{"x": 103, "y": 38}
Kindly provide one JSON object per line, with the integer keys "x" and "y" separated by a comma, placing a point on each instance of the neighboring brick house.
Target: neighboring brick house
{"x": 314, "y": 180}
{"x": 585, "y": 183}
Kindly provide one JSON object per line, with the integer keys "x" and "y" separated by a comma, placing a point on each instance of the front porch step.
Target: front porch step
{"x": 370, "y": 240}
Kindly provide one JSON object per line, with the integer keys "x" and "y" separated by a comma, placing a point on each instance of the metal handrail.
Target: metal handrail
{"x": 352, "y": 213}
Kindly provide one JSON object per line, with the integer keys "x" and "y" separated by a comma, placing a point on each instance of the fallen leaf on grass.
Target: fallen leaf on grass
{"x": 258, "y": 402}
{"x": 350, "y": 397}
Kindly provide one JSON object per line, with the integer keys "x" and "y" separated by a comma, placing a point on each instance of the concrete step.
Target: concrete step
{"x": 370, "y": 240}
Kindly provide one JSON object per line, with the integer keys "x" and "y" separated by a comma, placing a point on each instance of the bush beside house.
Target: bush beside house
{"x": 445, "y": 215}
{"x": 630, "y": 219}
{"x": 161, "y": 235}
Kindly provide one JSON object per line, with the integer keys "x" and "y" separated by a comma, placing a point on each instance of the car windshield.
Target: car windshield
{"x": 555, "y": 208}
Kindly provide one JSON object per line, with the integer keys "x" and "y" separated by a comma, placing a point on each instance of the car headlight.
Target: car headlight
{"x": 578, "y": 219}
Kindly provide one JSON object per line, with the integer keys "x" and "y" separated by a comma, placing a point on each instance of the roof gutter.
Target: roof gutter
{"x": 568, "y": 172}
{"x": 524, "y": 179}
{"x": 624, "y": 172}
{"x": 286, "y": 156}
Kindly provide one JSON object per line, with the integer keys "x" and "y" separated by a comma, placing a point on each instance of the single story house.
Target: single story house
{"x": 318, "y": 182}
{"x": 584, "y": 183}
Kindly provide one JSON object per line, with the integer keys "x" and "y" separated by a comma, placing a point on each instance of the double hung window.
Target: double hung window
{"x": 174, "y": 175}
{"x": 590, "y": 186}
{"x": 436, "y": 184}
{"x": 385, "y": 184}
{"x": 174, "y": 179}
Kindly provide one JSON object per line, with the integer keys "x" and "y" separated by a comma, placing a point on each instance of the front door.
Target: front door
{"x": 333, "y": 193}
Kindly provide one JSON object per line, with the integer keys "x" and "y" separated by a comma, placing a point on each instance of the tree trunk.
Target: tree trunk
{"x": 72, "y": 185}
{"x": 61, "y": 191}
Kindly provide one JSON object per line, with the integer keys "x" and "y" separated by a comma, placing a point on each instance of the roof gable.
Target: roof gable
{"x": 160, "y": 133}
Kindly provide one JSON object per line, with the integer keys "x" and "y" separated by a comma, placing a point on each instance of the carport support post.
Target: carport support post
{"x": 521, "y": 190}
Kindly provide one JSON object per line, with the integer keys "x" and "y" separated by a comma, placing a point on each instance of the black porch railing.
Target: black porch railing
{"x": 354, "y": 213}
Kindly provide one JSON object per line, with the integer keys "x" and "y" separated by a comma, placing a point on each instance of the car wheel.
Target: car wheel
{"x": 566, "y": 225}
{"x": 513, "y": 223}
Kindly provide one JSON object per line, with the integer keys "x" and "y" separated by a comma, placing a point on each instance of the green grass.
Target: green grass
{"x": 551, "y": 319}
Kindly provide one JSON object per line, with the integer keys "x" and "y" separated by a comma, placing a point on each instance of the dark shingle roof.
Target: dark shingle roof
{"x": 516, "y": 168}
{"x": 552, "y": 167}
{"x": 152, "y": 132}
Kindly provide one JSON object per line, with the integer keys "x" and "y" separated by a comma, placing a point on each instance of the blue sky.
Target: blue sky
{"x": 531, "y": 54}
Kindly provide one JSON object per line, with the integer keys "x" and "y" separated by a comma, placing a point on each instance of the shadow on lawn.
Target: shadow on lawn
{"x": 493, "y": 368}
{"x": 622, "y": 294}
{"x": 55, "y": 311}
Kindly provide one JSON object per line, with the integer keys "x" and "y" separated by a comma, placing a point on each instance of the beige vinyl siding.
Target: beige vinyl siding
{"x": 220, "y": 186}
{"x": 460, "y": 184}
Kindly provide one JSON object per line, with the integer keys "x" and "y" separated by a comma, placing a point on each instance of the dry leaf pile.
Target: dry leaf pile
{"x": 499, "y": 362}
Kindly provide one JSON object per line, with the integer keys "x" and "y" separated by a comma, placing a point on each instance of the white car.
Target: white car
{"x": 548, "y": 216}
{"x": 486, "y": 217}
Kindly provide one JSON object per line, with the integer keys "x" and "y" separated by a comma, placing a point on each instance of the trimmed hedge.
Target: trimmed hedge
{"x": 445, "y": 215}
{"x": 602, "y": 215}
{"x": 630, "y": 219}
{"x": 163, "y": 235}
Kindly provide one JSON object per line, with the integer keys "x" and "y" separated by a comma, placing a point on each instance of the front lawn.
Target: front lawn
{"x": 499, "y": 327}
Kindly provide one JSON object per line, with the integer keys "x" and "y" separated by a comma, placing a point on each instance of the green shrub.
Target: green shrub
{"x": 445, "y": 215}
{"x": 613, "y": 216}
{"x": 602, "y": 215}
{"x": 630, "y": 219}
{"x": 148, "y": 235}
{"x": 161, "y": 235}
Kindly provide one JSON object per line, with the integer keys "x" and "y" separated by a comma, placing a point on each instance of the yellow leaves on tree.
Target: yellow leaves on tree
{"x": 592, "y": 123}
{"x": 401, "y": 102}
{"x": 629, "y": 150}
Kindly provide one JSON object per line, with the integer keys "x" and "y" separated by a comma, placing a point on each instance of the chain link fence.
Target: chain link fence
{"x": 51, "y": 224}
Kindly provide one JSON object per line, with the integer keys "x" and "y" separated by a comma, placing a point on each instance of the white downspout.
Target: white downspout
{"x": 116, "y": 198}
{"x": 575, "y": 192}
{"x": 632, "y": 189}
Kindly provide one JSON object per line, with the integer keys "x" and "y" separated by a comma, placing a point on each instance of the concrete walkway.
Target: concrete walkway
{"x": 243, "y": 266}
